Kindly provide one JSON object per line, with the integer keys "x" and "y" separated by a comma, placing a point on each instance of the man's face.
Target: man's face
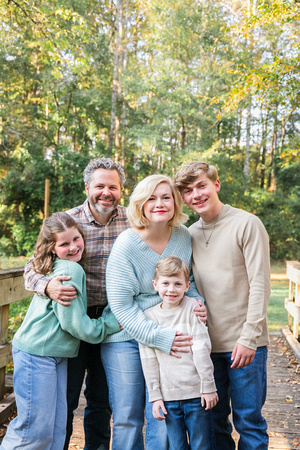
{"x": 104, "y": 191}
{"x": 201, "y": 196}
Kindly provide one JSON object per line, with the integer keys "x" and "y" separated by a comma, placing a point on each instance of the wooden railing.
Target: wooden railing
{"x": 11, "y": 290}
{"x": 292, "y": 303}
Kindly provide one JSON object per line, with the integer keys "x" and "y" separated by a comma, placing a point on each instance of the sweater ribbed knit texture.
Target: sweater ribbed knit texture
{"x": 129, "y": 275}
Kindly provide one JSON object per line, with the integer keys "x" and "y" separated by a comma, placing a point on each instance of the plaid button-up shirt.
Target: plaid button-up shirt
{"x": 99, "y": 241}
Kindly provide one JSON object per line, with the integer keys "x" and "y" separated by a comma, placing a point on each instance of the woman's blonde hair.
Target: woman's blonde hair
{"x": 44, "y": 259}
{"x": 142, "y": 193}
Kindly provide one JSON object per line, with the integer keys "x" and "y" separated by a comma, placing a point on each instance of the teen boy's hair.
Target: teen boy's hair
{"x": 189, "y": 172}
{"x": 171, "y": 266}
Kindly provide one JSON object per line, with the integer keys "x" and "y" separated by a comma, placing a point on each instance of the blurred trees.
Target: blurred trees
{"x": 152, "y": 84}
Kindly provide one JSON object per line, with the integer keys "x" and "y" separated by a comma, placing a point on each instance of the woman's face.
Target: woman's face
{"x": 160, "y": 205}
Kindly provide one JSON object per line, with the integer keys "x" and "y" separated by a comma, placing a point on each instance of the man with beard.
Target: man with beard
{"x": 102, "y": 220}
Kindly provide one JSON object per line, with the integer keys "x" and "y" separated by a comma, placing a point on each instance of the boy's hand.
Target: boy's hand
{"x": 159, "y": 406}
{"x": 60, "y": 293}
{"x": 209, "y": 400}
{"x": 180, "y": 343}
{"x": 201, "y": 312}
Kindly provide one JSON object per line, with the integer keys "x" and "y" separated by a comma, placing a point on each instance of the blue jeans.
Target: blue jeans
{"x": 40, "y": 385}
{"x": 126, "y": 384}
{"x": 246, "y": 388}
{"x": 97, "y": 412}
{"x": 188, "y": 416}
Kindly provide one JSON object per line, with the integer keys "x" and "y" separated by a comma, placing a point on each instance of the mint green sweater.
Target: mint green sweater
{"x": 51, "y": 329}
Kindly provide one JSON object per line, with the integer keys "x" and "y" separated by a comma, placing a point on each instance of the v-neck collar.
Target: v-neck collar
{"x": 168, "y": 250}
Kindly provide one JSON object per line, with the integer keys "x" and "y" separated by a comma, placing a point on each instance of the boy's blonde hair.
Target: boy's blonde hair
{"x": 171, "y": 266}
{"x": 190, "y": 171}
{"x": 142, "y": 193}
{"x": 44, "y": 259}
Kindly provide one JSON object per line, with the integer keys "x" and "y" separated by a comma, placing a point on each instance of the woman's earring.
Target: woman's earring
{"x": 53, "y": 256}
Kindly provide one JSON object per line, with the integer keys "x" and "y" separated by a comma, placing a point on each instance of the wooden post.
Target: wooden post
{"x": 47, "y": 195}
{"x": 292, "y": 304}
{"x": 4, "y": 316}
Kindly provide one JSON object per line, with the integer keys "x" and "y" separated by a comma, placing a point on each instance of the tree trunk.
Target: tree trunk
{"x": 247, "y": 156}
{"x": 115, "y": 81}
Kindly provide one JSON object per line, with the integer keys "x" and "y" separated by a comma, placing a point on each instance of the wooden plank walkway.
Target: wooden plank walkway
{"x": 282, "y": 408}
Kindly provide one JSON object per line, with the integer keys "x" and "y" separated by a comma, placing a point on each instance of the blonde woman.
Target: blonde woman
{"x": 155, "y": 215}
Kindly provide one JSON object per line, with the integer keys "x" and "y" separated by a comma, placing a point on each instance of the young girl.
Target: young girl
{"x": 49, "y": 334}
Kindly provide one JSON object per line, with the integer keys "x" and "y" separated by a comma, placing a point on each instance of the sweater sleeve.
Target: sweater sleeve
{"x": 150, "y": 367}
{"x": 257, "y": 262}
{"x": 193, "y": 291}
{"x": 74, "y": 318}
{"x": 201, "y": 349}
{"x": 122, "y": 287}
{"x": 187, "y": 242}
{"x": 35, "y": 282}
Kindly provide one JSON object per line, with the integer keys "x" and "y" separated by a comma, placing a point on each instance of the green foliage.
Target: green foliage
{"x": 280, "y": 215}
{"x": 17, "y": 312}
{"x": 276, "y": 313}
{"x": 186, "y": 74}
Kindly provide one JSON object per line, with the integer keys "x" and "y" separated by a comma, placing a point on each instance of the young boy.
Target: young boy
{"x": 182, "y": 388}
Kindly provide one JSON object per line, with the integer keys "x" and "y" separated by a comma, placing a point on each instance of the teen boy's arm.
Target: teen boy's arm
{"x": 257, "y": 262}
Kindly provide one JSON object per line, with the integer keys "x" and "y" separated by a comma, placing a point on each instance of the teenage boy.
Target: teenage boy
{"x": 182, "y": 388}
{"x": 231, "y": 266}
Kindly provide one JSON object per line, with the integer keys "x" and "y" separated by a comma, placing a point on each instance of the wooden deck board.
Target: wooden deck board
{"x": 282, "y": 408}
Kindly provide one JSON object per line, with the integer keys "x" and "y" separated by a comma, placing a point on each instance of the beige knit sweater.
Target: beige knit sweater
{"x": 232, "y": 273}
{"x": 170, "y": 378}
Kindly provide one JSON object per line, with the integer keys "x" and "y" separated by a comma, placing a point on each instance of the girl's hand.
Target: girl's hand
{"x": 210, "y": 400}
{"x": 159, "y": 406}
{"x": 59, "y": 292}
{"x": 180, "y": 344}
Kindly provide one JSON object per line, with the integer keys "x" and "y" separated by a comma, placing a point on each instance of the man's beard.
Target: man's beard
{"x": 104, "y": 211}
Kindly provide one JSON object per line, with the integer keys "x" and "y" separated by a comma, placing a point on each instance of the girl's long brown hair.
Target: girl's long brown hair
{"x": 44, "y": 259}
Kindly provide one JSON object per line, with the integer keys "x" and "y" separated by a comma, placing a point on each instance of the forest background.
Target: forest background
{"x": 153, "y": 84}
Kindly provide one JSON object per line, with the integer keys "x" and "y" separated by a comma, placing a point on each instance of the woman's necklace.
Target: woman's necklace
{"x": 208, "y": 239}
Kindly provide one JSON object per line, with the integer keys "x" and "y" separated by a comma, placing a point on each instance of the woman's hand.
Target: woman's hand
{"x": 201, "y": 312}
{"x": 180, "y": 344}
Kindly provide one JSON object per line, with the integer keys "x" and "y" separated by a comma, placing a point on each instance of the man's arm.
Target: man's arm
{"x": 48, "y": 288}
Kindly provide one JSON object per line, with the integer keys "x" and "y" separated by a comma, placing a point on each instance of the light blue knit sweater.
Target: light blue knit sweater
{"x": 129, "y": 276}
